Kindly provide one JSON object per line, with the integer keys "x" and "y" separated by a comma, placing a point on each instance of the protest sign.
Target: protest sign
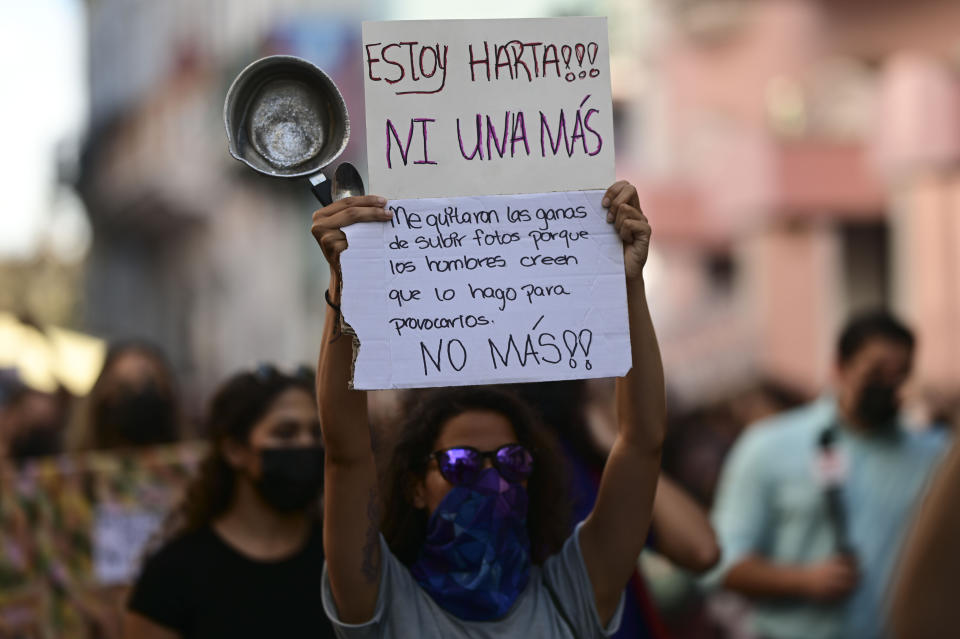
{"x": 493, "y": 140}
{"x": 494, "y": 289}
{"x": 479, "y": 107}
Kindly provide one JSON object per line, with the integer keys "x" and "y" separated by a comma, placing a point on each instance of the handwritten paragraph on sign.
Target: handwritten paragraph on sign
{"x": 472, "y": 107}
{"x": 493, "y": 289}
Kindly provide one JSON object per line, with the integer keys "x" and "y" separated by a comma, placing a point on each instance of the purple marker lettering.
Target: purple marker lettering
{"x": 393, "y": 62}
{"x": 545, "y": 134}
{"x": 403, "y": 150}
{"x": 586, "y": 125}
{"x": 502, "y": 55}
{"x": 443, "y": 65}
{"x": 518, "y": 123}
{"x": 579, "y": 51}
{"x": 518, "y": 62}
{"x": 577, "y": 133}
{"x": 536, "y": 60}
{"x": 477, "y": 149}
{"x": 443, "y": 81}
{"x": 423, "y": 124}
{"x": 492, "y": 133}
{"x": 413, "y": 66}
{"x": 436, "y": 59}
{"x": 485, "y": 61}
{"x": 578, "y": 129}
{"x": 555, "y": 61}
{"x": 370, "y": 61}
{"x": 592, "y": 50}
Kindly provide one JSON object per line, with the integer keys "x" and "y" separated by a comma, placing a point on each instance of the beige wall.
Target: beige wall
{"x": 795, "y": 275}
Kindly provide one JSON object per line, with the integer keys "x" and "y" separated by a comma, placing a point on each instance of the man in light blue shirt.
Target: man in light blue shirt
{"x": 813, "y": 503}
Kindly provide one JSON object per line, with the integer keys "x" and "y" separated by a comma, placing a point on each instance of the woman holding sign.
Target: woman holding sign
{"x": 475, "y": 571}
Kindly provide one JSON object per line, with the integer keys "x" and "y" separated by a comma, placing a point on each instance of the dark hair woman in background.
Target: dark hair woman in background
{"x": 247, "y": 554}
{"x": 133, "y": 403}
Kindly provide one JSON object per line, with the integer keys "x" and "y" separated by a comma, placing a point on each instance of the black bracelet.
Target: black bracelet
{"x": 326, "y": 296}
{"x": 336, "y": 318}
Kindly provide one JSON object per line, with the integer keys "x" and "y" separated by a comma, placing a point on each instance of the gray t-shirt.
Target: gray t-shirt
{"x": 404, "y": 609}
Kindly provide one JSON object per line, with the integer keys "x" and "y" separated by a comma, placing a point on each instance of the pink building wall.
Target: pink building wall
{"x": 757, "y": 164}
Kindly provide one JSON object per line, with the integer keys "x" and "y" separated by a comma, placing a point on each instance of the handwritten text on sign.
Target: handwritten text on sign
{"x": 471, "y": 107}
{"x": 479, "y": 290}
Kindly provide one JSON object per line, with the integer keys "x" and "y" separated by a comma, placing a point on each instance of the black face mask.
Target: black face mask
{"x": 137, "y": 417}
{"x": 878, "y": 405}
{"x": 291, "y": 477}
{"x": 37, "y": 441}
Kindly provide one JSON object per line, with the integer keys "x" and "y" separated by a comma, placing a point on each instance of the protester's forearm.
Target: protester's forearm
{"x": 343, "y": 412}
{"x": 350, "y": 481}
{"x": 681, "y": 530}
{"x": 614, "y": 534}
{"x": 641, "y": 400}
{"x": 755, "y": 576}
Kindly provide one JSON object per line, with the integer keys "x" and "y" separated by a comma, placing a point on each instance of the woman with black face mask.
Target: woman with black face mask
{"x": 468, "y": 545}
{"x": 134, "y": 402}
{"x": 245, "y": 553}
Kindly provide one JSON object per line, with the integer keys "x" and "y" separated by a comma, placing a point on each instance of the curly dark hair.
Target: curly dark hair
{"x": 562, "y": 406}
{"x": 405, "y": 526}
{"x": 236, "y": 407}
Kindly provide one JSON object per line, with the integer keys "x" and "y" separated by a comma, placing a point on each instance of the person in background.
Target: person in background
{"x": 245, "y": 550}
{"x": 477, "y": 556}
{"x": 924, "y": 597}
{"x": 32, "y": 424}
{"x": 812, "y": 503}
{"x": 133, "y": 402}
{"x": 679, "y": 529}
{"x": 700, "y": 438}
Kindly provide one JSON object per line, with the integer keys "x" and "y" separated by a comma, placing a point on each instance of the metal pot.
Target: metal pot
{"x": 286, "y": 118}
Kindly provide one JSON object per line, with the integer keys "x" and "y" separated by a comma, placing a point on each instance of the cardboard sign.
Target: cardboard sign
{"x": 494, "y": 289}
{"x": 477, "y": 107}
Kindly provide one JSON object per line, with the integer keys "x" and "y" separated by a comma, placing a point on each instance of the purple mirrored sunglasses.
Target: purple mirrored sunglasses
{"x": 463, "y": 464}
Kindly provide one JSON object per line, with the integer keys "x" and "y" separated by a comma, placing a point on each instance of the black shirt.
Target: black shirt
{"x": 199, "y": 586}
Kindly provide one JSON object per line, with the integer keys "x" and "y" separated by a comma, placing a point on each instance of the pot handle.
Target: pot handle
{"x": 320, "y": 186}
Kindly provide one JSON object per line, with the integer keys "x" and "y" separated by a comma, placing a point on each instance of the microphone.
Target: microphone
{"x": 832, "y": 469}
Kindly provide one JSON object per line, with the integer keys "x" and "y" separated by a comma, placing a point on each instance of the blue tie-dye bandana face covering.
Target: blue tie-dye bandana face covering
{"x": 475, "y": 561}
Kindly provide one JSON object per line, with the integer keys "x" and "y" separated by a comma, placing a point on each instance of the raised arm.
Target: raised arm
{"x": 351, "y": 517}
{"x": 614, "y": 534}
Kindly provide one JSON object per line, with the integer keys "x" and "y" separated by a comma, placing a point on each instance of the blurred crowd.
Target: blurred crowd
{"x": 702, "y": 575}
{"x": 133, "y": 403}
{"x": 798, "y": 160}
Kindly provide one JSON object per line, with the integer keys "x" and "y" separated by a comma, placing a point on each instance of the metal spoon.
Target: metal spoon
{"x": 346, "y": 182}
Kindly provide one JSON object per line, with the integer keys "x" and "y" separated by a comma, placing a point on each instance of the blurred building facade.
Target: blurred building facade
{"x": 191, "y": 249}
{"x": 798, "y": 158}
{"x": 799, "y": 161}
